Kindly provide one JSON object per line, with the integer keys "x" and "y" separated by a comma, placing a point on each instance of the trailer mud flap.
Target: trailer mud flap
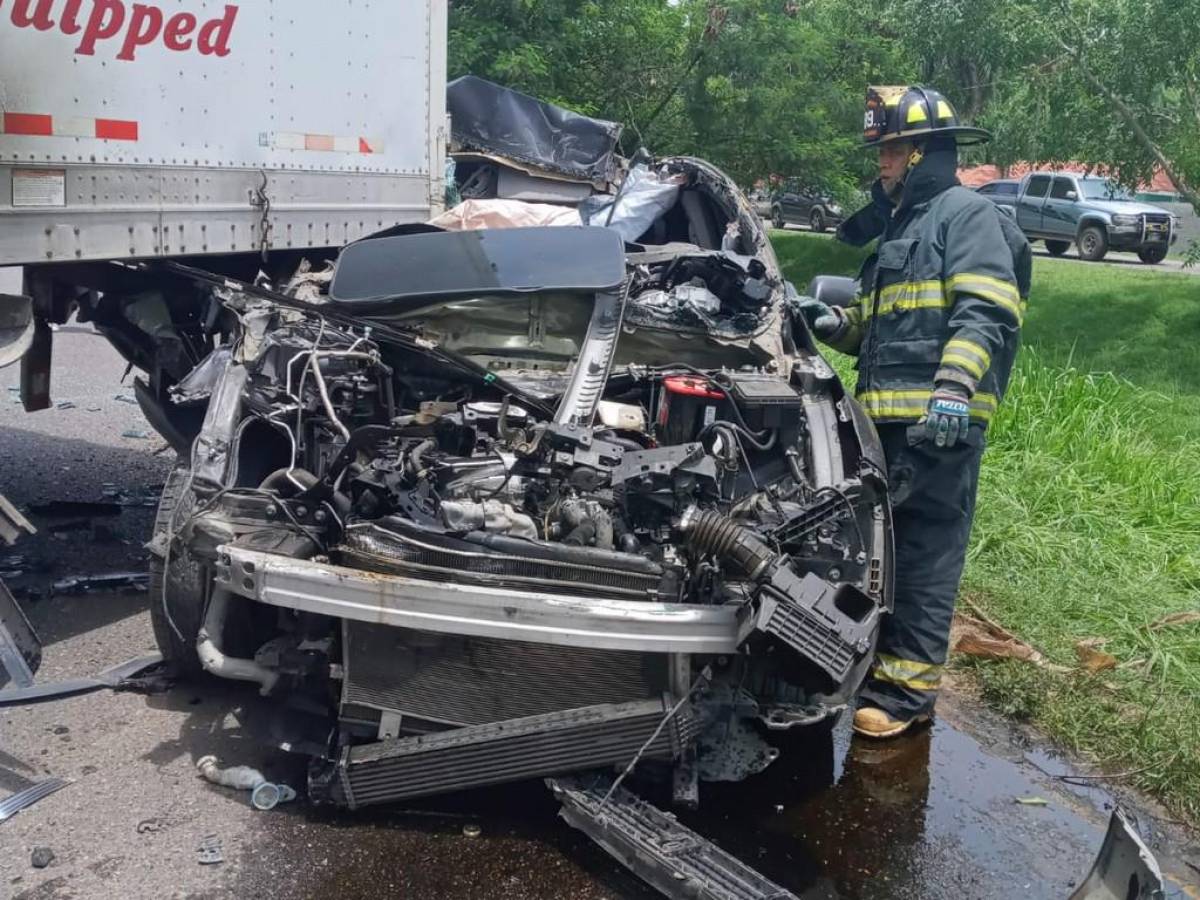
{"x": 650, "y": 843}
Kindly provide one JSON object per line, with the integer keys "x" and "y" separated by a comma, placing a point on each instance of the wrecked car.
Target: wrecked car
{"x": 549, "y": 487}
{"x": 470, "y": 500}
{"x": 500, "y": 503}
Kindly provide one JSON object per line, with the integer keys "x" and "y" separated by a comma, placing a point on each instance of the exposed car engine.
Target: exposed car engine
{"x": 441, "y": 554}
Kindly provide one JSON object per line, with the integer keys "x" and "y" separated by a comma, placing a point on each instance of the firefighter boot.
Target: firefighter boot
{"x": 872, "y": 722}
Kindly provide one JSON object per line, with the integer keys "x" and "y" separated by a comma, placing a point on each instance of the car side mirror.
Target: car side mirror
{"x": 1072, "y": 195}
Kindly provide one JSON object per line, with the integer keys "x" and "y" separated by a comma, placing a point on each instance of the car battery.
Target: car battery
{"x": 686, "y": 404}
{"x": 765, "y": 401}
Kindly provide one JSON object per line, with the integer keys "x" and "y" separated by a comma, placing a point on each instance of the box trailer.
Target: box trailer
{"x": 142, "y": 130}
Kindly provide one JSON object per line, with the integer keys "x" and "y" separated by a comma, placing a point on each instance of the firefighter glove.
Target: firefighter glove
{"x": 949, "y": 415}
{"x": 822, "y": 319}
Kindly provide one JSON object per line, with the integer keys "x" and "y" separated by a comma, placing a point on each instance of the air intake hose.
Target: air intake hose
{"x": 731, "y": 543}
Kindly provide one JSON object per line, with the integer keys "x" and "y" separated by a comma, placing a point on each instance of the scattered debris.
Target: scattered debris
{"x": 1092, "y": 658}
{"x": 74, "y": 509}
{"x": 41, "y": 857}
{"x": 1175, "y": 619}
{"x": 987, "y": 640}
{"x": 654, "y": 845}
{"x": 95, "y": 409}
{"x": 20, "y": 647}
{"x": 128, "y": 582}
{"x": 142, "y": 674}
{"x": 70, "y": 525}
{"x": 150, "y": 826}
{"x": 263, "y": 794}
{"x": 125, "y": 398}
{"x": 13, "y": 525}
{"x": 146, "y": 496}
{"x": 472, "y": 831}
{"x": 136, "y": 434}
{"x": 66, "y": 404}
{"x": 31, "y": 795}
{"x": 1032, "y": 801}
{"x": 1125, "y": 867}
{"x": 210, "y": 851}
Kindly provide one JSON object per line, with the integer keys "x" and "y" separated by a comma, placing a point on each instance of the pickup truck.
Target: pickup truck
{"x": 1092, "y": 212}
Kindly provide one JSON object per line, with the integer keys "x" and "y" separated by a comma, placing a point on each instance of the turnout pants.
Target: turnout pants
{"x": 933, "y": 504}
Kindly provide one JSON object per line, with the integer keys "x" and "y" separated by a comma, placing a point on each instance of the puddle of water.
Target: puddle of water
{"x": 851, "y": 819}
{"x": 933, "y": 815}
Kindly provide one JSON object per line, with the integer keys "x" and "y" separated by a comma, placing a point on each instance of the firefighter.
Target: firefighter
{"x": 935, "y": 326}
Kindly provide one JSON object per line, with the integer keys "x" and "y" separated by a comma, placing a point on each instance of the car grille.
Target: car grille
{"x": 1157, "y": 223}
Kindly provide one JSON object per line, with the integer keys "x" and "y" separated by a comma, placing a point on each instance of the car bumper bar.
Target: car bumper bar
{"x": 448, "y": 608}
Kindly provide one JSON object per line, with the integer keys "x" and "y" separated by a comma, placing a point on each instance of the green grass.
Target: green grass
{"x": 1088, "y": 522}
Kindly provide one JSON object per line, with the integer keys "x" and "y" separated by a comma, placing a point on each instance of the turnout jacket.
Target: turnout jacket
{"x": 941, "y": 299}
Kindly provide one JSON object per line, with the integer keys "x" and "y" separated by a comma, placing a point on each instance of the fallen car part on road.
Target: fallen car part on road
{"x": 1125, "y": 868}
{"x": 210, "y": 850}
{"x": 650, "y": 843}
{"x": 20, "y": 648}
{"x": 13, "y": 804}
{"x": 111, "y": 581}
{"x": 140, "y": 674}
{"x": 12, "y": 524}
{"x": 264, "y": 795}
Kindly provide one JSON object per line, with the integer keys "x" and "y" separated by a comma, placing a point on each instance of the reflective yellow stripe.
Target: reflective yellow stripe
{"x": 967, "y": 355}
{"x": 999, "y": 292}
{"x": 971, "y": 349}
{"x": 911, "y": 404}
{"x": 916, "y": 113}
{"x": 920, "y": 676}
{"x": 963, "y": 362}
{"x": 906, "y": 295}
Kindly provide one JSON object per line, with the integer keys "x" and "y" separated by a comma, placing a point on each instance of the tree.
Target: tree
{"x": 617, "y": 61}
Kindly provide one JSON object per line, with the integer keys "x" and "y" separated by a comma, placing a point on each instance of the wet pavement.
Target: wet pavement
{"x": 932, "y": 816}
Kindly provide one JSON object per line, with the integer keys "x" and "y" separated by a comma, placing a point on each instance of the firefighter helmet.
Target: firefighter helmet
{"x": 913, "y": 113}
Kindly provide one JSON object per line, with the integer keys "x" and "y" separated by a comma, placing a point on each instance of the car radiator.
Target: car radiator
{"x": 515, "y": 750}
{"x": 454, "y": 680}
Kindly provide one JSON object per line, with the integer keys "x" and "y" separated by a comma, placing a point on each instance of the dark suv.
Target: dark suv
{"x": 797, "y": 204}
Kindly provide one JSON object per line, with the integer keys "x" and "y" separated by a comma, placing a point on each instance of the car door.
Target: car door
{"x": 790, "y": 201}
{"x": 804, "y": 204}
{"x": 1029, "y": 206}
{"x": 1060, "y": 214}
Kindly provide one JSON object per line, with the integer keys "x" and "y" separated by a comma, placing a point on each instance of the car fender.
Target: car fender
{"x": 1104, "y": 220}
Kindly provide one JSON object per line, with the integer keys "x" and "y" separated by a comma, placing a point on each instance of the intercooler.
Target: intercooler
{"x": 456, "y": 680}
{"x": 502, "y": 752}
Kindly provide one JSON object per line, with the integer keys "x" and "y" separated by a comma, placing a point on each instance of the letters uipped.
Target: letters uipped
{"x": 128, "y": 26}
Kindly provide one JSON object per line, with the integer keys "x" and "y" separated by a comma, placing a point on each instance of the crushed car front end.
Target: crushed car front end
{"x": 522, "y": 502}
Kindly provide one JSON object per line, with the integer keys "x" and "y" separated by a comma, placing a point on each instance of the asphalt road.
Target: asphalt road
{"x": 933, "y": 816}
